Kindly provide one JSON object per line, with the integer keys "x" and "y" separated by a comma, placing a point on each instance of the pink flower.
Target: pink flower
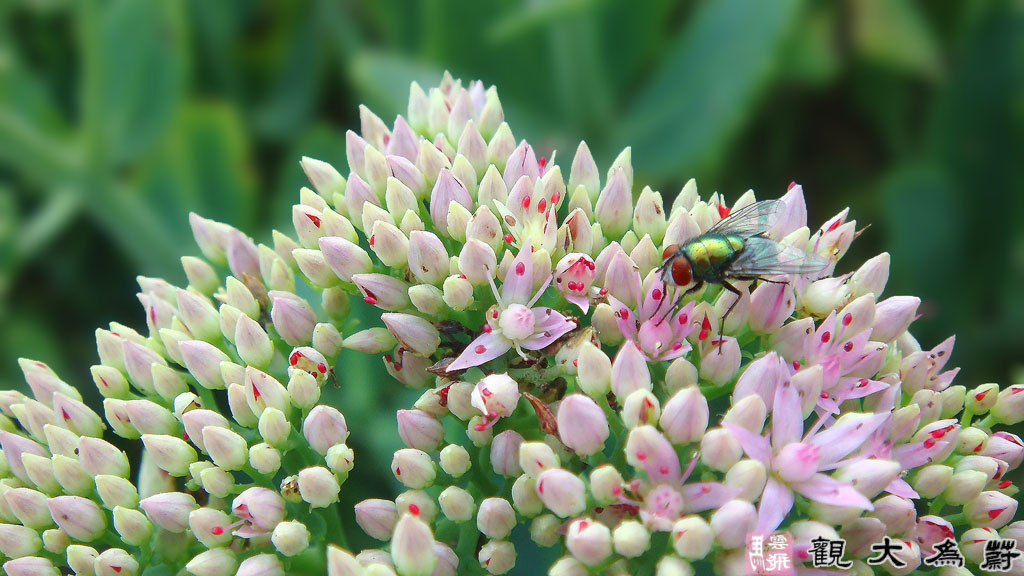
{"x": 796, "y": 464}
{"x": 666, "y": 497}
{"x": 658, "y": 333}
{"x": 514, "y": 322}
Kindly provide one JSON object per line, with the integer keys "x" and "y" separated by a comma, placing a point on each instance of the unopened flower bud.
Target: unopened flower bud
{"x": 17, "y": 541}
{"x": 497, "y": 556}
{"x": 132, "y": 525}
{"x": 720, "y": 450}
{"x": 733, "y": 522}
{"x": 536, "y": 457}
{"x": 456, "y": 504}
{"x": 214, "y": 562}
{"x": 562, "y": 492}
{"x": 685, "y": 416}
{"x": 290, "y": 538}
{"x": 495, "y": 518}
{"x": 169, "y": 510}
{"x": 641, "y": 407}
{"x": 594, "y": 371}
{"x": 116, "y": 491}
{"x": 692, "y": 537}
{"x": 261, "y": 565}
{"x": 892, "y": 317}
{"x": 965, "y": 486}
{"x": 99, "y": 457}
{"x": 217, "y": 481}
{"x": 496, "y": 395}
{"x": 606, "y": 324}
{"x": 226, "y": 448}
{"x": 871, "y": 476}
{"x": 748, "y": 477}
{"x": 896, "y": 513}
{"x": 318, "y": 486}
{"x": 582, "y": 424}
{"x": 991, "y": 509}
{"x": 324, "y": 427}
{"x": 1009, "y": 406}
{"x": 970, "y": 440}
{"x": 631, "y": 539}
{"x": 412, "y": 547}
{"x": 203, "y": 361}
{"x": 589, "y": 541}
{"x": 505, "y": 453}
{"x": 721, "y": 361}
{"x": 79, "y": 517}
{"x": 413, "y": 468}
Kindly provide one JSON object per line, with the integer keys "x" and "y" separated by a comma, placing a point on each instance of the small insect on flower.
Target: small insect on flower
{"x": 737, "y": 248}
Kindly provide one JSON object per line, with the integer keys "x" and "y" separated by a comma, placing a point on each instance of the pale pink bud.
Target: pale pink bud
{"x": 446, "y": 190}
{"x": 522, "y": 162}
{"x": 991, "y": 509}
{"x": 930, "y": 481}
{"x": 589, "y": 541}
{"x": 138, "y": 361}
{"x": 771, "y": 304}
{"x": 30, "y": 566}
{"x": 413, "y": 468}
{"x": 324, "y": 427}
{"x": 1006, "y": 447}
{"x": 505, "y": 453}
{"x": 748, "y": 477}
{"x": 872, "y": 276}
{"x": 419, "y": 430}
{"x": 893, "y": 316}
{"x": 733, "y": 522}
{"x": 109, "y": 381}
{"x": 496, "y": 395}
{"x": 100, "y": 457}
{"x": 203, "y": 360}
{"x": 170, "y": 453}
{"x": 621, "y": 278}
{"x": 583, "y": 426}
{"x": 383, "y": 291}
{"x": 427, "y": 298}
{"x": 227, "y": 449}
{"x": 457, "y": 293}
{"x": 264, "y": 391}
{"x": 412, "y": 547}
{"x": 151, "y": 418}
{"x": 345, "y": 258}
{"x": 211, "y": 237}
{"x": 720, "y": 450}
{"x": 210, "y": 527}
{"x": 17, "y": 541}
{"x": 428, "y": 259}
{"x": 562, "y": 492}
{"x": 413, "y": 332}
{"x": 261, "y": 565}
{"x": 13, "y": 447}
{"x": 692, "y": 537}
{"x": 28, "y": 506}
{"x": 685, "y": 416}
{"x": 116, "y": 491}
{"x": 721, "y": 361}
{"x": 1009, "y": 407}
{"x": 497, "y": 556}
{"x": 477, "y": 262}
{"x": 524, "y": 496}
{"x": 169, "y": 510}
{"x": 318, "y": 486}
{"x": 370, "y": 341}
{"x": 377, "y": 517}
{"x": 293, "y": 318}
{"x": 454, "y": 460}
{"x": 495, "y": 518}
{"x": 641, "y": 407}
{"x": 131, "y": 525}
{"x": 629, "y": 371}
{"x": 896, "y": 513}
{"x": 593, "y": 370}
{"x": 614, "y": 207}
{"x": 584, "y": 172}
{"x": 607, "y": 326}
{"x": 215, "y": 562}
{"x": 536, "y": 457}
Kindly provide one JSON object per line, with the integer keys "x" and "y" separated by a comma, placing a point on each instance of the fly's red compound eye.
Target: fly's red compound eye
{"x": 681, "y": 274}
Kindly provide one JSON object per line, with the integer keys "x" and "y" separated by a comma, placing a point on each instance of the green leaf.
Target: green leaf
{"x": 203, "y": 167}
{"x": 706, "y": 86}
{"x": 895, "y": 33}
{"x": 143, "y": 68}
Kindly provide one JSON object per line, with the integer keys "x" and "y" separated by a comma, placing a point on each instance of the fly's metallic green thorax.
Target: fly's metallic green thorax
{"x": 709, "y": 253}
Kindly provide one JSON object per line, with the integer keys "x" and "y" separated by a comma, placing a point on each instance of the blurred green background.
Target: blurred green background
{"x": 118, "y": 117}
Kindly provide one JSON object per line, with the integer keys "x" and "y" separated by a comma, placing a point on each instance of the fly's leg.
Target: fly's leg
{"x": 721, "y": 329}
{"x": 679, "y": 303}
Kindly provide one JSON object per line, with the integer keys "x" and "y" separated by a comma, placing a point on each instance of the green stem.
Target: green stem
{"x": 335, "y": 530}
{"x": 966, "y": 418}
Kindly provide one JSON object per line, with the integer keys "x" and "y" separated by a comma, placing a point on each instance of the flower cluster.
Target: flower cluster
{"x": 568, "y": 391}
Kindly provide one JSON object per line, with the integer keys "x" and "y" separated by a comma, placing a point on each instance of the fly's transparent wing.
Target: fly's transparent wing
{"x": 764, "y": 257}
{"x": 751, "y": 220}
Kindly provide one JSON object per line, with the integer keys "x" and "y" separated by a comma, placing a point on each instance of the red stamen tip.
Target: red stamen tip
{"x": 314, "y": 219}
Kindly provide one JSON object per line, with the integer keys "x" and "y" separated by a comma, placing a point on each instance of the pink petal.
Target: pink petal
{"x": 776, "y": 502}
{"x": 581, "y": 301}
{"x": 754, "y": 445}
{"x": 846, "y": 435}
{"x": 518, "y": 284}
{"x": 900, "y": 488}
{"x": 916, "y": 454}
{"x": 487, "y": 346}
{"x": 550, "y": 326}
{"x": 706, "y": 496}
{"x": 828, "y": 490}
{"x": 787, "y": 416}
